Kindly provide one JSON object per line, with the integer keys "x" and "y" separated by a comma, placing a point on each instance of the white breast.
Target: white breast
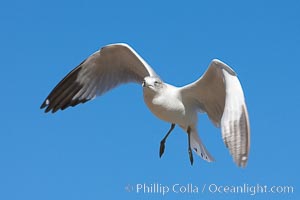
{"x": 168, "y": 106}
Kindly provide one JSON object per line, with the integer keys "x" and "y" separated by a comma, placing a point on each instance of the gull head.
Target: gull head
{"x": 152, "y": 83}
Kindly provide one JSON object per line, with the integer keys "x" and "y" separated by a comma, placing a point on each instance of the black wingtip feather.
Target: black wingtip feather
{"x": 62, "y": 95}
{"x": 43, "y": 105}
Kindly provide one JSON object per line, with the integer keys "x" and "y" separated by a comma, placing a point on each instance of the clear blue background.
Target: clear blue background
{"x": 95, "y": 150}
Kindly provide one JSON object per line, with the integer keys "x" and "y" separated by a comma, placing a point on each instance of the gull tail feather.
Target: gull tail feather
{"x": 199, "y": 148}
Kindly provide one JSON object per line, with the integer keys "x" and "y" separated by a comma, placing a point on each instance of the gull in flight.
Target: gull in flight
{"x": 218, "y": 93}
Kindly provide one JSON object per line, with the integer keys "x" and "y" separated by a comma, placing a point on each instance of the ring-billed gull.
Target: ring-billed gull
{"x": 217, "y": 92}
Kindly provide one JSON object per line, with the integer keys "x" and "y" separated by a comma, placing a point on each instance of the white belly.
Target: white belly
{"x": 171, "y": 109}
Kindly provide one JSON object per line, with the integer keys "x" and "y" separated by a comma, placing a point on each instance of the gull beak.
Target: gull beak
{"x": 144, "y": 83}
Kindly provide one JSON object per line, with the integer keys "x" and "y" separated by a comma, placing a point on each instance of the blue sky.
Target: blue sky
{"x": 95, "y": 150}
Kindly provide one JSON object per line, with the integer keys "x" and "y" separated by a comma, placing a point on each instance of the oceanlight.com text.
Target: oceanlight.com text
{"x": 248, "y": 189}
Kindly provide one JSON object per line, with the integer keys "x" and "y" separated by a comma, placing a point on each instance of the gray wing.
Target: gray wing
{"x": 105, "y": 69}
{"x": 219, "y": 93}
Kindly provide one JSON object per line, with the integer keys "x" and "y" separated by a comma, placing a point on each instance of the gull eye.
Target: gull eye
{"x": 156, "y": 82}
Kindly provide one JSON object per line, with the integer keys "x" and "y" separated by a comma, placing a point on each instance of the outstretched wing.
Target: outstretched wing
{"x": 105, "y": 69}
{"x": 219, "y": 93}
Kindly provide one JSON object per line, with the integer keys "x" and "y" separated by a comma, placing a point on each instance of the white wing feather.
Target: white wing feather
{"x": 105, "y": 69}
{"x": 219, "y": 93}
{"x": 235, "y": 123}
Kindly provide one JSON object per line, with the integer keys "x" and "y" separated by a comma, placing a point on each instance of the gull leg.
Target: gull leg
{"x": 163, "y": 141}
{"x": 189, "y": 143}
